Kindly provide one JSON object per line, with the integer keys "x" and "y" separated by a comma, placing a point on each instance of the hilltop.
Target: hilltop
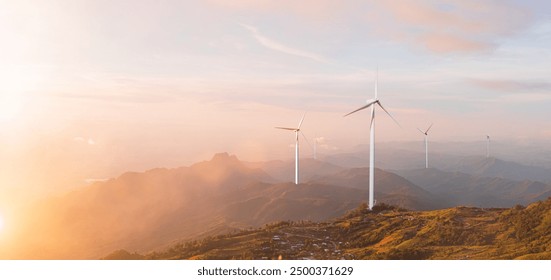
{"x": 387, "y": 232}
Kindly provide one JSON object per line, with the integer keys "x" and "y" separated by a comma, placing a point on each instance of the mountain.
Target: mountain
{"x": 386, "y": 232}
{"x": 144, "y": 211}
{"x": 398, "y": 159}
{"x": 390, "y": 188}
{"x": 493, "y": 167}
{"x": 284, "y": 171}
{"x": 464, "y": 189}
{"x": 148, "y": 210}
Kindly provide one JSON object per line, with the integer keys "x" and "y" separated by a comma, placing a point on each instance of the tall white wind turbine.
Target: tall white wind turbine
{"x": 371, "y": 103}
{"x": 296, "y": 130}
{"x": 426, "y": 133}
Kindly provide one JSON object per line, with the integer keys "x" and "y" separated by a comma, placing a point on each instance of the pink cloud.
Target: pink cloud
{"x": 452, "y": 26}
{"x": 440, "y": 26}
{"x": 446, "y": 43}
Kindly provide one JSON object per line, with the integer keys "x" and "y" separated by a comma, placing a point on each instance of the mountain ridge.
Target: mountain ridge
{"x": 147, "y": 210}
{"x": 387, "y": 232}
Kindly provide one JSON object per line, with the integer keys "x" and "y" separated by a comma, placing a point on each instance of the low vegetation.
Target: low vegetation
{"x": 387, "y": 232}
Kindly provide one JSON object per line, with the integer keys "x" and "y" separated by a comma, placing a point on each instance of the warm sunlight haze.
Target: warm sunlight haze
{"x": 1, "y": 224}
{"x": 162, "y": 129}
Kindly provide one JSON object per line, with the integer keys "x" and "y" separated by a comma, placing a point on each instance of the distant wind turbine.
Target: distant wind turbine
{"x": 487, "y": 146}
{"x": 371, "y": 103}
{"x": 296, "y": 130}
{"x": 315, "y": 148}
{"x": 426, "y": 133}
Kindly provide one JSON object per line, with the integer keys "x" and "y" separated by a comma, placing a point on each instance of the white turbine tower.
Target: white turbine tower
{"x": 487, "y": 146}
{"x": 426, "y": 133}
{"x": 296, "y": 130}
{"x": 371, "y": 103}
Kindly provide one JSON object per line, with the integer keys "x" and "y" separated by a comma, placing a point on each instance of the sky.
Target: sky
{"x": 90, "y": 89}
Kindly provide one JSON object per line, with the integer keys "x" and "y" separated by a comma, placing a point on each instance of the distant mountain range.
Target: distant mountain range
{"x": 150, "y": 210}
{"x": 458, "y": 188}
{"x": 474, "y": 165}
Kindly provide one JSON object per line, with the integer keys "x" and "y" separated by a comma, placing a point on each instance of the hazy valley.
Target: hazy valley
{"x": 153, "y": 210}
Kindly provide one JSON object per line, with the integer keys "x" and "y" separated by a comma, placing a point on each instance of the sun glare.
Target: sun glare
{"x": 1, "y": 224}
{"x": 13, "y": 87}
{"x": 9, "y": 107}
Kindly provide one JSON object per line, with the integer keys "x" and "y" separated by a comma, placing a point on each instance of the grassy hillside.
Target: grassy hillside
{"x": 385, "y": 233}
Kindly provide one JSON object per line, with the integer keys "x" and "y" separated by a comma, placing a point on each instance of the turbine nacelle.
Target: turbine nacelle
{"x": 372, "y": 102}
{"x": 426, "y": 132}
{"x": 289, "y": 128}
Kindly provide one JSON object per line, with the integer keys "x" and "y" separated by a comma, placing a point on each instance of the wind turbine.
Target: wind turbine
{"x": 487, "y": 146}
{"x": 371, "y": 103}
{"x": 315, "y": 148}
{"x": 296, "y": 130}
{"x": 426, "y": 133}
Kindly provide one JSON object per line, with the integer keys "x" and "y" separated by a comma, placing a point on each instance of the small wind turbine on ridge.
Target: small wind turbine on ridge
{"x": 371, "y": 103}
{"x": 296, "y": 130}
{"x": 315, "y": 148}
{"x": 487, "y": 146}
{"x": 426, "y": 133}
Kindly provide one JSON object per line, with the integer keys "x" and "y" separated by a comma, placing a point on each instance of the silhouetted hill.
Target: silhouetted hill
{"x": 143, "y": 211}
{"x": 464, "y": 189}
{"x": 388, "y": 233}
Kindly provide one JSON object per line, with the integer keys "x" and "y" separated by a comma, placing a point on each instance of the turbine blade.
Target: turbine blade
{"x": 301, "y": 120}
{"x": 372, "y": 119}
{"x": 380, "y": 105}
{"x": 427, "y": 131}
{"x": 369, "y": 103}
{"x": 420, "y": 131}
{"x": 287, "y": 128}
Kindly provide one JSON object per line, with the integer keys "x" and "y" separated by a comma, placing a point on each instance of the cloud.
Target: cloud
{"x": 88, "y": 141}
{"x": 322, "y": 143}
{"x": 451, "y": 26}
{"x": 276, "y": 46}
{"x": 446, "y": 43}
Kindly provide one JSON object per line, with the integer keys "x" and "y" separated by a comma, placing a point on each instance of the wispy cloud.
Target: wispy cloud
{"x": 88, "y": 141}
{"x": 279, "y": 47}
{"x": 322, "y": 143}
